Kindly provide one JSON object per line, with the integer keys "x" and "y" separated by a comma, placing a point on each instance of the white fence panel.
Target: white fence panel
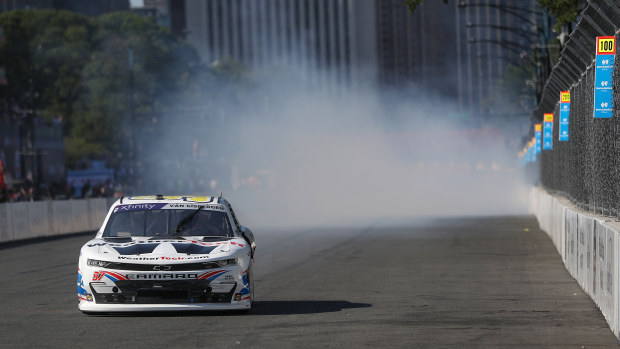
{"x": 21, "y": 226}
{"x": 99, "y": 209}
{"x": 24, "y": 220}
{"x": 6, "y": 224}
{"x": 571, "y": 243}
{"x": 608, "y": 277}
{"x": 79, "y": 213}
{"x": 38, "y": 217}
{"x": 589, "y": 247}
{"x": 63, "y": 218}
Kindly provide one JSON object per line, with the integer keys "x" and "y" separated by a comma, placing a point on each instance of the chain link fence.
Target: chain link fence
{"x": 585, "y": 168}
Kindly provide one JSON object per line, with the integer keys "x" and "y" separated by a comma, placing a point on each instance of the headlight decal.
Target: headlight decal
{"x": 97, "y": 263}
{"x": 222, "y": 263}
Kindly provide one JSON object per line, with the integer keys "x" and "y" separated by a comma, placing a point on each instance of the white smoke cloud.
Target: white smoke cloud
{"x": 300, "y": 157}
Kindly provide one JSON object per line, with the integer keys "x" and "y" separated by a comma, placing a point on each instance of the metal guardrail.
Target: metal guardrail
{"x": 584, "y": 169}
{"x": 36, "y": 219}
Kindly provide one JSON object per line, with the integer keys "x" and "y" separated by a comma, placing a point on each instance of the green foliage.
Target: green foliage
{"x": 43, "y": 53}
{"x": 61, "y": 64}
{"x": 412, "y": 4}
{"x": 161, "y": 66}
{"x": 565, "y": 11}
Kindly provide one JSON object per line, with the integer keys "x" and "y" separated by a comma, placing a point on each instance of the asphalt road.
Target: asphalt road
{"x": 484, "y": 282}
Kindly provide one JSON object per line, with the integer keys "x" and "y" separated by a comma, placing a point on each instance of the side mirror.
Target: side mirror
{"x": 248, "y": 236}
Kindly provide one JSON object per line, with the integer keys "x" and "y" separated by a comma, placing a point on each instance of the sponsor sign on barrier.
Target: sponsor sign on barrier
{"x": 564, "y": 113}
{"x": 538, "y": 136}
{"x": 548, "y": 132}
{"x": 603, "y": 83}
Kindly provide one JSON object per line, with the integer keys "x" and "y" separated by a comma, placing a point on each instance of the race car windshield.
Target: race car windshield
{"x": 168, "y": 223}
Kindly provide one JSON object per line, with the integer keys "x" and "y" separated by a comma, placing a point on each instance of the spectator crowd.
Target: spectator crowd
{"x": 27, "y": 191}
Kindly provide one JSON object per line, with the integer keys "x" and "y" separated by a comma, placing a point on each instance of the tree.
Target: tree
{"x": 61, "y": 64}
{"x": 565, "y": 11}
{"x": 412, "y": 4}
{"x": 164, "y": 68}
{"x": 43, "y": 54}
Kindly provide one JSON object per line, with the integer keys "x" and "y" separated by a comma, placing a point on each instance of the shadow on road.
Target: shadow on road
{"x": 258, "y": 308}
{"x": 302, "y": 307}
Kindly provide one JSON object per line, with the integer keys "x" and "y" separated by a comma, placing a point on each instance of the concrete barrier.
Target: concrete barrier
{"x": 589, "y": 245}
{"x": 27, "y": 220}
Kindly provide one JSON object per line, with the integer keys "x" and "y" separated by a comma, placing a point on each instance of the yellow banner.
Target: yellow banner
{"x": 605, "y": 45}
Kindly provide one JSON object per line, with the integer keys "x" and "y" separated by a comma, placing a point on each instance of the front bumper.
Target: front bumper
{"x": 90, "y": 307}
{"x": 116, "y": 291}
{"x": 162, "y": 292}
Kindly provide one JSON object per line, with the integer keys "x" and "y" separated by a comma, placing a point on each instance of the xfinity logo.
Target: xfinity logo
{"x": 162, "y": 267}
{"x": 133, "y": 207}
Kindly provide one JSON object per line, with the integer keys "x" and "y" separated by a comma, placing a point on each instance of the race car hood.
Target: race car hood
{"x": 148, "y": 249}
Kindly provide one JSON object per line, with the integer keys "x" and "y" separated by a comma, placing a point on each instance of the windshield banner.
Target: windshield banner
{"x": 166, "y": 206}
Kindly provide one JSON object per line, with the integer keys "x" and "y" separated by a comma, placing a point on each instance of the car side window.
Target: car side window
{"x": 232, "y": 212}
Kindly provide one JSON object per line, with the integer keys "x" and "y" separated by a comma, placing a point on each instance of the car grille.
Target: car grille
{"x": 164, "y": 292}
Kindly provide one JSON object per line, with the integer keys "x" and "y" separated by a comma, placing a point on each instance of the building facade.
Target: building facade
{"x": 324, "y": 41}
{"x": 456, "y": 49}
{"x": 89, "y": 8}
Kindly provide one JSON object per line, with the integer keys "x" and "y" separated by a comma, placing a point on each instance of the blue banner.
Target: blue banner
{"x": 548, "y": 135}
{"x": 603, "y": 94}
{"x": 564, "y": 112}
{"x": 538, "y": 142}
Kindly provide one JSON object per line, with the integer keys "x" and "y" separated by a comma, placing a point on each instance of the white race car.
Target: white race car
{"x": 158, "y": 253}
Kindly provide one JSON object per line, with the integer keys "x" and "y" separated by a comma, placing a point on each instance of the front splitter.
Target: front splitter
{"x": 91, "y": 307}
